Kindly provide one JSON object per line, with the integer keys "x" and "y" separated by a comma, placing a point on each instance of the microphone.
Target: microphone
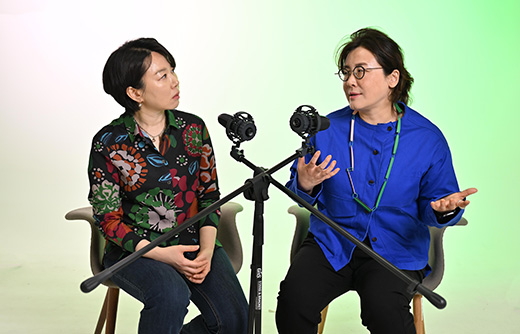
{"x": 240, "y": 127}
{"x": 307, "y": 122}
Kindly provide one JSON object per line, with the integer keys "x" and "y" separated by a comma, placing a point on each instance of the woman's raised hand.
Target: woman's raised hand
{"x": 451, "y": 202}
{"x": 310, "y": 175}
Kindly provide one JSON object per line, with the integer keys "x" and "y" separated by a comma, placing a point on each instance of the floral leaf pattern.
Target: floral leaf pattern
{"x": 106, "y": 197}
{"x": 138, "y": 191}
{"x": 158, "y": 213}
{"x": 193, "y": 140}
{"x": 131, "y": 165}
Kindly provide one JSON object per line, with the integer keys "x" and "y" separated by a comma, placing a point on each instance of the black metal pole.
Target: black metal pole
{"x": 258, "y": 193}
{"x": 264, "y": 178}
{"x": 92, "y": 282}
{"x": 255, "y": 293}
{"x": 413, "y": 284}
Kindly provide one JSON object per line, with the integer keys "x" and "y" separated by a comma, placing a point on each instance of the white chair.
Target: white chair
{"x": 432, "y": 281}
{"x": 227, "y": 234}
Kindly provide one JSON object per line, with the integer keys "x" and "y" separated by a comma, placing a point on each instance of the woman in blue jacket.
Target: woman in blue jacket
{"x": 384, "y": 173}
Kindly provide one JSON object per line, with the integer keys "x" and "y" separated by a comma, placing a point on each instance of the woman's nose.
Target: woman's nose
{"x": 352, "y": 81}
{"x": 174, "y": 80}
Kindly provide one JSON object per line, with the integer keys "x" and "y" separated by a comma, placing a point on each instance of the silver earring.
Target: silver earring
{"x": 140, "y": 105}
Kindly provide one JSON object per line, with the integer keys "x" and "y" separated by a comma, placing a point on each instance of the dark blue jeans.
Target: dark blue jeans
{"x": 166, "y": 295}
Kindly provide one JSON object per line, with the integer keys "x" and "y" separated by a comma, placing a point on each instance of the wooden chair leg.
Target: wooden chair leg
{"x": 113, "y": 298}
{"x": 321, "y": 326}
{"x": 108, "y": 312}
{"x": 418, "y": 315}
{"x": 102, "y": 314}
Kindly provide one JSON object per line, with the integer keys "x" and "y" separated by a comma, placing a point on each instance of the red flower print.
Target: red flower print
{"x": 178, "y": 200}
{"x": 192, "y": 137}
{"x": 121, "y": 231}
{"x": 190, "y": 196}
{"x": 182, "y": 183}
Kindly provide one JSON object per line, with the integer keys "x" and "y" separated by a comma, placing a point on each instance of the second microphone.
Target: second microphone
{"x": 239, "y": 127}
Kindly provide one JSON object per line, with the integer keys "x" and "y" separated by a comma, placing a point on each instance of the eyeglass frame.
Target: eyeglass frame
{"x": 340, "y": 72}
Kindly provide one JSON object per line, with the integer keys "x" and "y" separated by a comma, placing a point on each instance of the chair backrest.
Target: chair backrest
{"x": 436, "y": 255}
{"x": 97, "y": 241}
{"x": 227, "y": 234}
{"x": 300, "y": 229}
{"x": 436, "y": 252}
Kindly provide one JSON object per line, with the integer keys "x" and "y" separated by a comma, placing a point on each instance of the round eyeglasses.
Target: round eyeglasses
{"x": 359, "y": 72}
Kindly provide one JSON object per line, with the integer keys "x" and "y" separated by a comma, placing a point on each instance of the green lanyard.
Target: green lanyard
{"x": 355, "y": 195}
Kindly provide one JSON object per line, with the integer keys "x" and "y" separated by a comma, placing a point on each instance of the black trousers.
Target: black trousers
{"x": 311, "y": 284}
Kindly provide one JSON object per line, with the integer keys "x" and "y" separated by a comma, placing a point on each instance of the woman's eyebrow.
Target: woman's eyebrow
{"x": 358, "y": 64}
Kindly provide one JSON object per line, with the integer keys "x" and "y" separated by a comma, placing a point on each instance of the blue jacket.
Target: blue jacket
{"x": 422, "y": 172}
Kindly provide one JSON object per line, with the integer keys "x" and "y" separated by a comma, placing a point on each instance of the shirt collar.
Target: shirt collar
{"x": 131, "y": 125}
{"x": 171, "y": 120}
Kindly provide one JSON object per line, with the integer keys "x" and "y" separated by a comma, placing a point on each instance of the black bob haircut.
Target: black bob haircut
{"x": 126, "y": 67}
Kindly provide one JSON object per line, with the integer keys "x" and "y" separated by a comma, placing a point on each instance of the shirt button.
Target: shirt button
{"x": 389, "y": 128}
{"x": 371, "y": 182}
{"x": 374, "y": 239}
{"x": 376, "y": 152}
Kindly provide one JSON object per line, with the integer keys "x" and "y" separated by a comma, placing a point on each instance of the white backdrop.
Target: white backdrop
{"x": 266, "y": 58}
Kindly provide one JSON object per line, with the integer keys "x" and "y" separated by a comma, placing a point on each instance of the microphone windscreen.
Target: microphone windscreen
{"x": 224, "y": 119}
{"x": 324, "y": 124}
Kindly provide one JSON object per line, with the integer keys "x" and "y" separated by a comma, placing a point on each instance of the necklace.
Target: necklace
{"x": 154, "y": 138}
{"x": 355, "y": 195}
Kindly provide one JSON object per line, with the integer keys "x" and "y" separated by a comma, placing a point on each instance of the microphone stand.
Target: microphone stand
{"x": 258, "y": 193}
{"x": 256, "y": 189}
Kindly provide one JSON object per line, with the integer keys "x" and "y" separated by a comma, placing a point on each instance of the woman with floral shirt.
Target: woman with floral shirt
{"x": 150, "y": 170}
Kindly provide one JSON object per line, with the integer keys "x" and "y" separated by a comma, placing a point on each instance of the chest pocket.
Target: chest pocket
{"x": 336, "y": 197}
{"x": 338, "y": 206}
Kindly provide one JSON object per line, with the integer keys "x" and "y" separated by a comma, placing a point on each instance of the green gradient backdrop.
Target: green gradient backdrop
{"x": 266, "y": 58}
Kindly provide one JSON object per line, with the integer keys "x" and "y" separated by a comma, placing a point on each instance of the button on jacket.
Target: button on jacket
{"x": 422, "y": 172}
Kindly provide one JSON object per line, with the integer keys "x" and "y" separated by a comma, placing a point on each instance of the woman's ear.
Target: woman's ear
{"x": 393, "y": 79}
{"x": 135, "y": 94}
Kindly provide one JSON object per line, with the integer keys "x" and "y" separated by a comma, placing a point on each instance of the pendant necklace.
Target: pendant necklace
{"x": 154, "y": 138}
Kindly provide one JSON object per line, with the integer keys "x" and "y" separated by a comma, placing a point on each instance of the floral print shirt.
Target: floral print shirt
{"x": 140, "y": 192}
